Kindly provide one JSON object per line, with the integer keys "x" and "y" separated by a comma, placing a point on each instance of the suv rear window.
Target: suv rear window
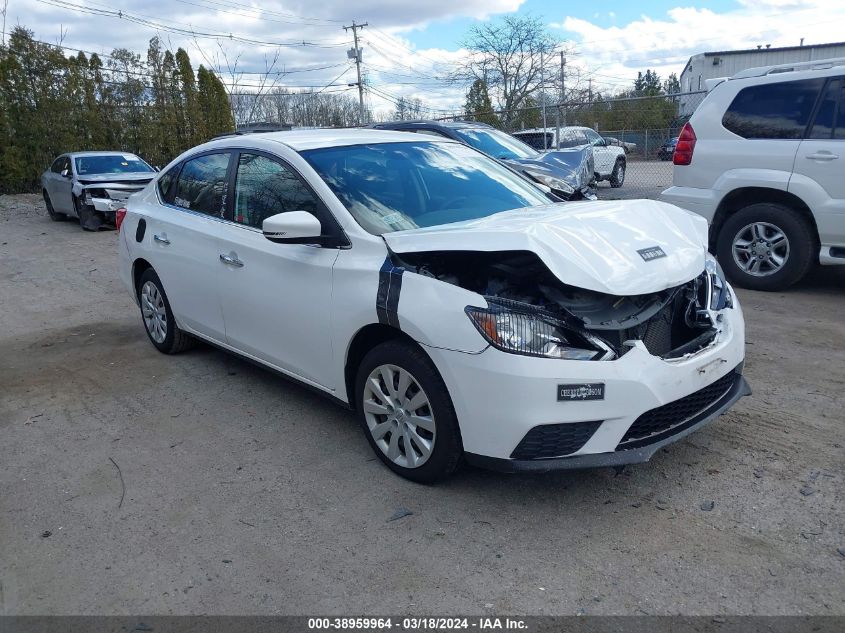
{"x": 773, "y": 111}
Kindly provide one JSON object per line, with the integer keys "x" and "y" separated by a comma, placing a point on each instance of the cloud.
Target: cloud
{"x": 390, "y": 60}
{"x": 613, "y": 55}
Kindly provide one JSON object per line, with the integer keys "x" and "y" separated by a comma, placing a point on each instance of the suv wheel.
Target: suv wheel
{"x": 55, "y": 216}
{"x": 765, "y": 246}
{"x": 158, "y": 317}
{"x": 406, "y": 413}
{"x": 617, "y": 177}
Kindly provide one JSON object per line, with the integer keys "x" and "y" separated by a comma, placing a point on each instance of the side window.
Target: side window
{"x": 165, "y": 183}
{"x": 593, "y": 138}
{"x": 829, "y": 123}
{"x": 202, "y": 185}
{"x": 773, "y": 111}
{"x": 265, "y": 187}
{"x": 56, "y": 167}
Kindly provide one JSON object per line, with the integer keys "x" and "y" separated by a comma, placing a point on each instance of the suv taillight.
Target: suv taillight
{"x": 118, "y": 217}
{"x": 685, "y": 146}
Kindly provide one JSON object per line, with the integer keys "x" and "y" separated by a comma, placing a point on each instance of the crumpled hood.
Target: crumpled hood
{"x": 591, "y": 245}
{"x": 569, "y": 176}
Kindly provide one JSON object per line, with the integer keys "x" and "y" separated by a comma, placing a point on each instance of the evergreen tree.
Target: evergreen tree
{"x": 479, "y": 106}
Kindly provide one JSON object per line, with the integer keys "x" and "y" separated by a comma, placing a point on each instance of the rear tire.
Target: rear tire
{"x": 402, "y": 404}
{"x": 766, "y": 246}
{"x": 617, "y": 177}
{"x": 157, "y": 316}
{"x": 55, "y": 216}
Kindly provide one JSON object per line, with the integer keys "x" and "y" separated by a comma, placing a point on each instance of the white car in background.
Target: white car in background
{"x": 610, "y": 161}
{"x": 441, "y": 296}
{"x": 763, "y": 160}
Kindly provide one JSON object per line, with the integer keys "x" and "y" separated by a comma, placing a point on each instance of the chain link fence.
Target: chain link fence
{"x": 644, "y": 127}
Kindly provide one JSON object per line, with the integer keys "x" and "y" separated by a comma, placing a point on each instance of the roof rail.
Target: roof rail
{"x": 762, "y": 71}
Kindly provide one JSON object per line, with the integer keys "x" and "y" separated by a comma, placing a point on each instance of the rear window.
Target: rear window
{"x": 773, "y": 111}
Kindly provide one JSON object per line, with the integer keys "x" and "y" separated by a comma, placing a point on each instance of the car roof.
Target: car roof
{"x": 300, "y": 140}
{"x": 453, "y": 125}
{"x": 110, "y": 153}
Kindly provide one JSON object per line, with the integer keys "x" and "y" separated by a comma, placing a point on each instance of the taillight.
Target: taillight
{"x": 685, "y": 146}
{"x": 118, "y": 217}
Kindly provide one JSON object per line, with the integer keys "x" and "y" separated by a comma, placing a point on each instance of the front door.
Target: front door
{"x": 276, "y": 298}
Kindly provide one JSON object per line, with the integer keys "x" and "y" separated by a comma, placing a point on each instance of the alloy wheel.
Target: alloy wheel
{"x": 399, "y": 416}
{"x": 760, "y": 249}
{"x": 154, "y": 312}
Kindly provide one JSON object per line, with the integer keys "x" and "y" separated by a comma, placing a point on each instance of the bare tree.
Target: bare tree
{"x": 512, "y": 56}
{"x": 3, "y": 13}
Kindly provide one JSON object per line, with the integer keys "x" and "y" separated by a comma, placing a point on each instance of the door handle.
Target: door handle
{"x": 161, "y": 239}
{"x": 823, "y": 156}
{"x": 231, "y": 259}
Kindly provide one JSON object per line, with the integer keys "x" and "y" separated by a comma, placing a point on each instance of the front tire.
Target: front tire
{"x": 406, "y": 413}
{"x": 617, "y": 177}
{"x": 157, "y": 316}
{"x": 89, "y": 219}
{"x": 766, "y": 246}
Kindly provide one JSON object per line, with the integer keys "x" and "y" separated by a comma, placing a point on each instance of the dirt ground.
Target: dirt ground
{"x": 246, "y": 494}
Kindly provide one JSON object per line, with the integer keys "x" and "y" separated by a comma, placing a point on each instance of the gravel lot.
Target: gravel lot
{"x": 245, "y": 494}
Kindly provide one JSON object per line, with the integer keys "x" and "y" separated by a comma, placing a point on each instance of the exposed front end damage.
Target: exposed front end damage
{"x": 101, "y": 197}
{"x": 677, "y": 322}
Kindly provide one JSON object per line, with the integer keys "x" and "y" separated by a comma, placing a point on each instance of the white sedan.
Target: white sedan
{"x": 447, "y": 300}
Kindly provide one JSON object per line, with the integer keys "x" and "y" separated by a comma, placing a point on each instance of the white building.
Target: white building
{"x": 717, "y": 64}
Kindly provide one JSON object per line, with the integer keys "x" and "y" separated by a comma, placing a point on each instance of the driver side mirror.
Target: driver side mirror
{"x": 292, "y": 227}
{"x": 65, "y": 173}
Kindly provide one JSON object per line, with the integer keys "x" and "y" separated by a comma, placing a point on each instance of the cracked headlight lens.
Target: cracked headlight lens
{"x": 532, "y": 333}
{"x": 718, "y": 291}
{"x": 550, "y": 181}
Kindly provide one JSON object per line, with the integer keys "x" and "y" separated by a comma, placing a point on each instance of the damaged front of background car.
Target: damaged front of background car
{"x": 101, "y": 195}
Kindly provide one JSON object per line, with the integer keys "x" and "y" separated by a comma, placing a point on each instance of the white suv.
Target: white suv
{"x": 759, "y": 160}
{"x": 610, "y": 161}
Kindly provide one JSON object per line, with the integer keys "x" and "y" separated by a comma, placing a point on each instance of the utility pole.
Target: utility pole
{"x": 543, "y": 97}
{"x": 356, "y": 54}
{"x": 562, "y": 92}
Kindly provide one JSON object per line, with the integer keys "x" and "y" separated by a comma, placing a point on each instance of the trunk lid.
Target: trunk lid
{"x": 621, "y": 247}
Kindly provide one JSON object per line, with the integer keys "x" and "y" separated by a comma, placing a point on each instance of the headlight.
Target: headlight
{"x": 718, "y": 291}
{"x": 550, "y": 181}
{"x": 95, "y": 193}
{"x": 518, "y": 329}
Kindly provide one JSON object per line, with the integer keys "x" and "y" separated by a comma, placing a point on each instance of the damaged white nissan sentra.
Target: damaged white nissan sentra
{"x": 445, "y": 298}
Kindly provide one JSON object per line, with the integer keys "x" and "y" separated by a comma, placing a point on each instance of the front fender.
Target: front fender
{"x": 432, "y": 313}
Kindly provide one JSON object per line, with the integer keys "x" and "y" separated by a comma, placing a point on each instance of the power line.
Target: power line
{"x": 189, "y": 31}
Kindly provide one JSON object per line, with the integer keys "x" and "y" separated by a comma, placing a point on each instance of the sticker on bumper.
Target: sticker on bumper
{"x": 588, "y": 391}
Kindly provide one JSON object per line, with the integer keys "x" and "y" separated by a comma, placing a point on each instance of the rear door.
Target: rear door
{"x": 821, "y": 158}
{"x": 184, "y": 234}
{"x": 276, "y": 298}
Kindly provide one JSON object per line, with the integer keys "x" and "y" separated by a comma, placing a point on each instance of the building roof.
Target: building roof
{"x": 772, "y": 49}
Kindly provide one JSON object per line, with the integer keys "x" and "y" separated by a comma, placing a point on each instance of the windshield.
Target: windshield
{"x": 110, "y": 164}
{"x": 495, "y": 143}
{"x": 398, "y": 186}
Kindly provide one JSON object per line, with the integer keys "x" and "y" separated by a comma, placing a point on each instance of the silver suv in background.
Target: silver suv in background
{"x": 763, "y": 160}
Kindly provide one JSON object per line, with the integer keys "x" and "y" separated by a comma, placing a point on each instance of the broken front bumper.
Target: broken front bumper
{"x": 598, "y": 413}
